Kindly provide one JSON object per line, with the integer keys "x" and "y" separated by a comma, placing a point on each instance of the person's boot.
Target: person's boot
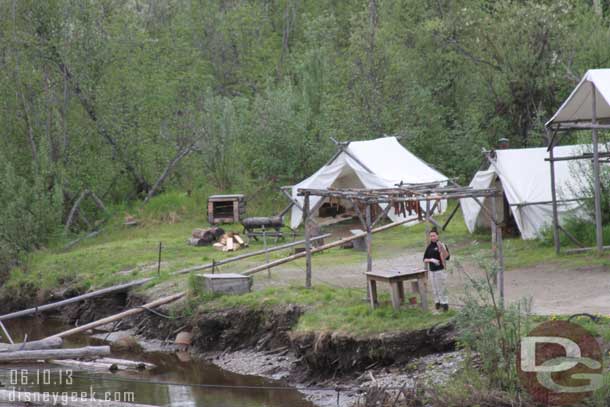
{"x": 437, "y": 306}
{"x": 445, "y": 307}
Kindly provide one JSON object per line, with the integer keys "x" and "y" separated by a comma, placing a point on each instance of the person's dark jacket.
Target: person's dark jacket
{"x": 433, "y": 252}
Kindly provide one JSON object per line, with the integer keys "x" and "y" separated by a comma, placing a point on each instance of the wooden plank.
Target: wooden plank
{"x": 45, "y": 354}
{"x": 124, "y": 314}
{"x": 584, "y": 249}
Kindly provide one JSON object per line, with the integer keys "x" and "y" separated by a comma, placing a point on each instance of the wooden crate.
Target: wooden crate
{"x": 226, "y": 283}
{"x": 226, "y": 208}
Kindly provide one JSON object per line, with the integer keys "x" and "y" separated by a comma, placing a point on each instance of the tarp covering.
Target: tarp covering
{"x": 526, "y": 179}
{"x": 579, "y": 105}
{"x": 389, "y": 164}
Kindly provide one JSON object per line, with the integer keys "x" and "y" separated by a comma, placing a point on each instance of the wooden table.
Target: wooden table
{"x": 397, "y": 289}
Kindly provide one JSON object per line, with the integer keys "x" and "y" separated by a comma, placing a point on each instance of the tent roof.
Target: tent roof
{"x": 389, "y": 159}
{"x": 578, "y": 107}
{"x": 526, "y": 182}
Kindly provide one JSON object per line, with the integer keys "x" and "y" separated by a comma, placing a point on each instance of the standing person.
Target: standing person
{"x": 435, "y": 258}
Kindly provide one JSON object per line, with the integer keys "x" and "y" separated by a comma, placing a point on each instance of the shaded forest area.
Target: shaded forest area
{"x": 126, "y": 99}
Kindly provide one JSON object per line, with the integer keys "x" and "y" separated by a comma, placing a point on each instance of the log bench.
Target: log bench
{"x": 396, "y": 281}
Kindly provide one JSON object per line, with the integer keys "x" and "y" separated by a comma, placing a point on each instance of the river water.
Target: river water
{"x": 172, "y": 383}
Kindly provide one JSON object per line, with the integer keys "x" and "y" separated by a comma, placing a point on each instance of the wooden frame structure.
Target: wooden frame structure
{"x": 363, "y": 199}
{"x": 555, "y": 131}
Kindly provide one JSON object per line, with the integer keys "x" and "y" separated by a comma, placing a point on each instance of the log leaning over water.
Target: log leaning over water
{"x": 124, "y": 314}
{"x": 50, "y": 343}
{"x": 22, "y": 398}
{"x": 58, "y": 304}
{"x": 24, "y": 355}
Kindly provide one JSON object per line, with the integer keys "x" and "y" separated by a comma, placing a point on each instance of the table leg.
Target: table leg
{"x": 372, "y": 292}
{"x": 395, "y": 295}
{"x": 423, "y": 291}
{"x": 401, "y": 291}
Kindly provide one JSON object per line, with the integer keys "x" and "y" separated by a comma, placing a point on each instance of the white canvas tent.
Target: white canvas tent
{"x": 379, "y": 163}
{"x": 578, "y": 107}
{"x": 524, "y": 178}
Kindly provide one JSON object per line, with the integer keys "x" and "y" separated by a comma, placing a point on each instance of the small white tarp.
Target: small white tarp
{"x": 579, "y": 105}
{"x": 525, "y": 179}
{"x": 380, "y": 163}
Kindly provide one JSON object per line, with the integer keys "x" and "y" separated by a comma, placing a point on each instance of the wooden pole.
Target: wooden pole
{"x": 307, "y": 242}
{"x": 500, "y": 264}
{"x": 599, "y": 238}
{"x": 159, "y": 260}
{"x": 554, "y": 201}
{"x": 124, "y": 314}
{"x": 266, "y": 251}
{"x": 330, "y": 245}
{"x": 451, "y": 215}
{"x": 8, "y": 336}
{"x": 46, "y": 354}
{"x": 427, "y": 222}
{"x": 494, "y": 231}
{"x": 369, "y": 239}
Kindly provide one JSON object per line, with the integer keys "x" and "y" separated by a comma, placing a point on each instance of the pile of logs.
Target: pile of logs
{"x": 50, "y": 350}
{"x": 205, "y": 237}
{"x": 230, "y": 242}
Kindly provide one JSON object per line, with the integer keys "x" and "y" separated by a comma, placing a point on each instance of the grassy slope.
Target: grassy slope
{"x": 121, "y": 253}
{"x": 334, "y": 309}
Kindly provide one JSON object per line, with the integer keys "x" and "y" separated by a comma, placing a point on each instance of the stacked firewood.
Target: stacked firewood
{"x": 229, "y": 242}
{"x": 205, "y": 237}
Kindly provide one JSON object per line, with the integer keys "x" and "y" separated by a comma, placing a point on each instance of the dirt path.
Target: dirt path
{"x": 552, "y": 290}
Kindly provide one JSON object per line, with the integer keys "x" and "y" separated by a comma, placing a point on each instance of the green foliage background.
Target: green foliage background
{"x": 105, "y": 94}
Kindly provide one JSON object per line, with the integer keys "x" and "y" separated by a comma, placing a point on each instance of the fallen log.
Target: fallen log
{"x": 320, "y": 248}
{"x": 104, "y": 364}
{"x": 23, "y": 355}
{"x": 92, "y": 294}
{"x": 133, "y": 364}
{"x": 50, "y": 343}
{"x": 124, "y": 314}
{"x": 23, "y": 398}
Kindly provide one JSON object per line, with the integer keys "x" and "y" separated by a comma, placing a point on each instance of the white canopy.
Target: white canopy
{"x": 578, "y": 107}
{"x": 379, "y": 163}
{"x": 526, "y": 179}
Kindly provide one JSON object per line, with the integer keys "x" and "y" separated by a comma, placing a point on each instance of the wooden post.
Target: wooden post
{"x": 494, "y": 221}
{"x": 554, "y": 198}
{"x": 266, "y": 252}
{"x": 369, "y": 239}
{"x": 307, "y": 242}
{"x": 159, "y": 262}
{"x": 599, "y": 238}
{"x": 500, "y": 264}
{"x": 427, "y": 221}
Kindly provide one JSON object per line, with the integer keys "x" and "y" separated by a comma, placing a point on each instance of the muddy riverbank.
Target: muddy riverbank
{"x": 263, "y": 343}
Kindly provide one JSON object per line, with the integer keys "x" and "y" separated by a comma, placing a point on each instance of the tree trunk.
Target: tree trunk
{"x": 24, "y": 355}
